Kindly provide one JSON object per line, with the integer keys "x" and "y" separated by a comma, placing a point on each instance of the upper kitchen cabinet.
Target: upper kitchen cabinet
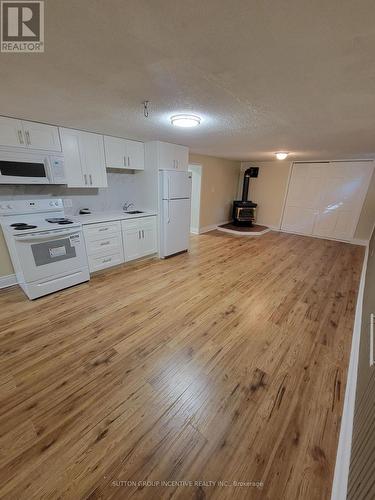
{"x": 11, "y": 133}
{"x": 32, "y": 135}
{"x": 84, "y": 158}
{"x": 124, "y": 154}
{"x": 172, "y": 156}
{"x": 41, "y": 136}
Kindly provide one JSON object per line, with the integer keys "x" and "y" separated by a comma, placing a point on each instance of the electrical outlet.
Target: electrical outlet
{"x": 67, "y": 202}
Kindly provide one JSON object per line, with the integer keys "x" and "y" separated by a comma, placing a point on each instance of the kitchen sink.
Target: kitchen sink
{"x": 132, "y": 212}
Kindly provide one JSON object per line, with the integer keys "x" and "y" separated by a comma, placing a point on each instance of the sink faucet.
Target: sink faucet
{"x": 126, "y": 206}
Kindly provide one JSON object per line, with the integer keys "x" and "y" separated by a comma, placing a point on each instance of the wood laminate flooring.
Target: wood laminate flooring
{"x": 225, "y": 364}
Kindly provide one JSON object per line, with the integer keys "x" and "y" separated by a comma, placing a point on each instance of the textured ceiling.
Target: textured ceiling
{"x": 295, "y": 75}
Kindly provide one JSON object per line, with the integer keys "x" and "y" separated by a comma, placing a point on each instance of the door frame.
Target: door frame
{"x": 197, "y": 166}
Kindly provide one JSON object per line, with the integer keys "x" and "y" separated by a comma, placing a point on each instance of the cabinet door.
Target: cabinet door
{"x": 115, "y": 152}
{"x": 11, "y": 132}
{"x": 74, "y": 158}
{"x": 167, "y": 157}
{"x": 148, "y": 242}
{"x": 41, "y": 136}
{"x": 135, "y": 152}
{"x": 182, "y": 157}
{"x": 94, "y": 160}
{"x": 131, "y": 237}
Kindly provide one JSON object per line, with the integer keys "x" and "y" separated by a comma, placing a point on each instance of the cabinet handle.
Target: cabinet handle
{"x": 85, "y": 177}
{"x": 124, "y": 161}
{"x": 103, "y": 229}
{"x": 143, "y": 234}
{"x": 104, "y": 243}
{"x": 128, "y": 161}
{"x": 177, "y": 164}
{"x": 139, "y": 235}
{"x": 28, "y": 140}
{"x": 372, "y": 318}
{"x": 20, "y": 137}
{"x": 107, "y": 260}
{"x": 90, "y": 177}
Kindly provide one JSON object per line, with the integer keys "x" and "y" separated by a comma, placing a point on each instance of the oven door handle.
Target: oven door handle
{"x": 50, "y": 236}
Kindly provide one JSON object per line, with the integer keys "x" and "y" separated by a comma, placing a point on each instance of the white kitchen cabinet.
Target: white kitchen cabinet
{"x": 104, "y": 245}
{"x": 172, "y": 156}
{"x": 11, "y": 132}
{"x": 115, "y": 152}
{"x": 139, "y": 237}
{"x": 131, "y": 238}
{"x": 32, "y": 135}
{"x": 41, "y": 136}
{"x": 124, "y": 153}
{"x": 136, "y": 154}
{"x": 84, "y": 158}
{"x": 148, "y": 241}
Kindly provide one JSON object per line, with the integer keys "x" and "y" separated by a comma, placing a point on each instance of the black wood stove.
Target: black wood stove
{"x": 244, "y": 211}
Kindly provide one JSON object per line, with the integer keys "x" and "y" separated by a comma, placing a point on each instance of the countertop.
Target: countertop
{"x": 110, "y": 216}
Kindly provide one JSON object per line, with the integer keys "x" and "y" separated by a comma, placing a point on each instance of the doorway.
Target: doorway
{"x": 196, "y": 181}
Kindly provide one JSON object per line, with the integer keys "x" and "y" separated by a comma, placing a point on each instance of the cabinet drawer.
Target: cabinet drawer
{"x": 98, "y": 231}
{"x": 104, "y": 261}
{"x": 112, "y": 243}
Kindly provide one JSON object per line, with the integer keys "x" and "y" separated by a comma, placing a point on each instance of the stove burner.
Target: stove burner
{"x": 20, "y": 227}
{"x": 59, "y": 220}
{"x": 19, "y": 224}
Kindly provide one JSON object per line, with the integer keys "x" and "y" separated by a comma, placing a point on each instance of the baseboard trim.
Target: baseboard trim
{"x": 194, "y": 230}
{"x": 341, "y": 475}
{"x": 353, "y": 241}
{"x": 9, "y": 280}
{"x": 363, "y": 243}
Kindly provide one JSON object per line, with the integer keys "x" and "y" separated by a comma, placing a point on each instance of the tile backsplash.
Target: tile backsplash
{"x": 122, "y": 187}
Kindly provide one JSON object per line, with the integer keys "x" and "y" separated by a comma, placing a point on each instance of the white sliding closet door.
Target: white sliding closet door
{"x": 325, "y": 199}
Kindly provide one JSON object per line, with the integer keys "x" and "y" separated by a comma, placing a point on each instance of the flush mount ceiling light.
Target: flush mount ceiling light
{"x": 281, "y": 155}
{"x": 185, "y": 121}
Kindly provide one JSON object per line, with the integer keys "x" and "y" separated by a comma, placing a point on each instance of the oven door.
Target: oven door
{"x": 52, "y": 253}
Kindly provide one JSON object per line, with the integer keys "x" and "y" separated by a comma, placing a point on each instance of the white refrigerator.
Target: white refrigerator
{"x": 175, "y": 193}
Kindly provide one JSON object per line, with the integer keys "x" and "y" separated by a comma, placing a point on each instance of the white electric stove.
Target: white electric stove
{"x": 46, "y": 247}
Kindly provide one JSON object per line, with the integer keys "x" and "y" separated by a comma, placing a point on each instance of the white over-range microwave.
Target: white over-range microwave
{"x": 31, "y": 168}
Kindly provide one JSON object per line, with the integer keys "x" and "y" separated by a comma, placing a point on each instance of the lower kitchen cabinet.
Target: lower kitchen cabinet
{"x": 114, "y": 242}
{"x": 139, "y": 237}
{"x": 103, "y": 245}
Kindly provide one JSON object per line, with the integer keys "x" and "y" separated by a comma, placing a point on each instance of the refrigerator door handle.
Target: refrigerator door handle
{"x": 169, "y": 187}
{"x": 169, "y": 217}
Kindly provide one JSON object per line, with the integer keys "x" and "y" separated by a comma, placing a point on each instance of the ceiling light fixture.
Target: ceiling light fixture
{"x": 281, "y": 155}
{"x": 185, "y": 120}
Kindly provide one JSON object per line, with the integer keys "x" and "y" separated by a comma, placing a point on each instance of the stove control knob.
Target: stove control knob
{"x": 9, "y": 206}
{"x": 51, "y": 203}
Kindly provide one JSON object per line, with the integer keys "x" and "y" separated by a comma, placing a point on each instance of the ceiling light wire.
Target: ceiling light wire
{"x": 145, "y": 108}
